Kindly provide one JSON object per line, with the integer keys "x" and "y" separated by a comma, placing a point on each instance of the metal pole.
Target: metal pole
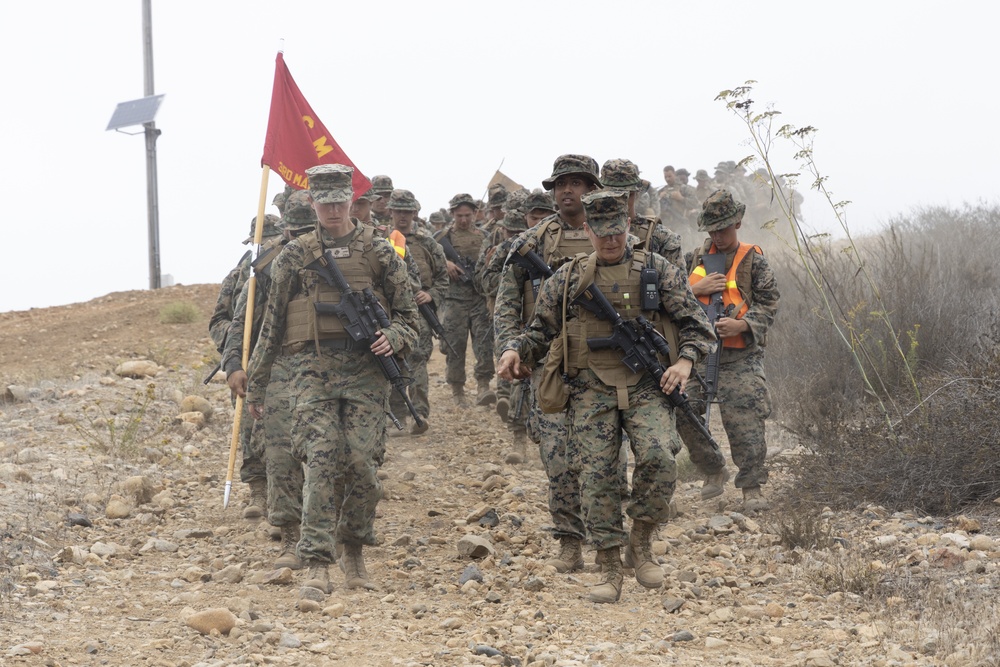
{"x": 152, "y": 199}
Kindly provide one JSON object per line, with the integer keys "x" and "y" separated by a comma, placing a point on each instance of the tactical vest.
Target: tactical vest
{"x": 467, "y": 243}
{"x": 558, "y": 245}
{"x": 622, "y": 286}
{"x": 422, "y": 258}
{"x": 739, "y": 284}
{"x": 361, "y": 268}
{"x": 642, "y": 228}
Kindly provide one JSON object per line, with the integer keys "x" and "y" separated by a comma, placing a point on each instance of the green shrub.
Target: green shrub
{"x": 179, "y": 312}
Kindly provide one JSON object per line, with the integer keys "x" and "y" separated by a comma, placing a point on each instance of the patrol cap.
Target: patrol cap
{"x": 682, "y": 172}
{"x": 582, "y": 165}
{"x": 436, "y": 218}
{"x": 298, "y": 213}
{"x": 279, "y": 201}
{"x": 381, "y": 186}
{"x": 403, "y": 200}
{"x": 514, "y": 221}
{"x": 515, "y": 200}
{"x": 497, "y": 195}
{"x": 462, "y": 199}
{"x": 621, "y": 174}
{"x": 330, "y": 183}
{"x": 719, "y": 211}
{"x": 270, "y": 227}
{"x": 701, "y": 175}
{"x": 538, "y": 198}
{"x": 607, "y": 211}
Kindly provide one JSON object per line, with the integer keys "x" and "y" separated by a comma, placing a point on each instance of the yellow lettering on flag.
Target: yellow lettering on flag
{"x": 310, "y": 123}
{"x": 321, "y": 147}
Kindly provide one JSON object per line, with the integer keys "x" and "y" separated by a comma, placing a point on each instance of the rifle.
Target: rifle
{"x": 468, "y": 266}
{"x": 363, "y": 316}
{"x": 713, "y": 263}
{"x": 522, "y": 389}
{"x": 640, "y": 342}
{"x": 427, "y": 310}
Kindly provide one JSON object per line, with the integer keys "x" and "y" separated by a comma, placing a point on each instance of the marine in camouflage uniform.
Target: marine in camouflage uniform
{"x": 605, "y": 397}
{"x": 283, "y": 467}
{"x": 428, "y": 259}
{"x": 379, "y": 195}
{"x": 338, "y": 393}
{"x": 556, "y": 239}
{"x": 705, "y": 187}
{"x": 677, "y": 200}
{"x": 252, "y": 469}
{"x": 466, "y": 307}
{"x": 744, "y": 400}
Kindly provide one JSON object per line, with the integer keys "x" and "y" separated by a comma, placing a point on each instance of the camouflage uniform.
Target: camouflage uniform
{"x": 466, "y": 309}
{"x": 381, "y": 189}
{"x": 598, "y": 410}
{"x": 676, "y": 213}
{"x": 427, "y": 258}
{"x": 705, "y": 187}
{"x": 745, "y": 402}
{"x": 338, "y": 393}
{"x": 555, "y": 241}
{"x": 227, "y": 310}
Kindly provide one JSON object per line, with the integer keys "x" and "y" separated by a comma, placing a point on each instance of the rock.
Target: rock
{"x": 982, "y": 543}
{"x": 103, "y": 550}
{"x": 969, "y": 525}
{"x": 335, "y": 610}
{"x": 490, "y": 519}
{"x": 672, "y": 605}
{"x": 75, "y": 519}
{"x": 311, "y": 593}
{"x": 164, "y": 500}
{"x": 72, "y": 554}
{"x": 308, "y": 606}
{"x": 219, "y": 619}
{"x": 488, "y": 651}
{"x": 279, "y": 577}
{"x": 197, "y": 404}
{"x": 960, "y": 541}
{"x": 478, "y": 513}
{"x": 117, "y": 508}
{"x": 196, "y": 419}
{"x": 471, "y": 573}
{"x": 720, "y": 522}
{"x": 27, "y": 648}
{"x": 474, "y": 546}
{"x": 774, "y": 610}
{"x": 139, "y": 488}
{"x": 154, "y": 544}
{"x": 493, "y": 597}
{"x": 231, "y": 574}
{"x": 288, "y": 640}
{"x": 886, "y": 540}
{"x": 533, "y": 584}
{"x": 714, "y": 642}
{"x": 683, "y": 636}
{"x": 137, "y": 369}
{"x": 15, "y": 393}
{"x": 451, "y": 623}
{"x": 495, "y": 482}
{"x": 819, "y": 658}
{"x": 29, "y": 455}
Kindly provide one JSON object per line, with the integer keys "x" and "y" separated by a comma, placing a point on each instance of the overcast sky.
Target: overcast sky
{"x": 437, "y": 94}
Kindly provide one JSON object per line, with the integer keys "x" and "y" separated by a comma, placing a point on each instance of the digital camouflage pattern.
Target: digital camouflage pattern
{"x": 719, "y": 211}
{"x": 466, "y": 312}
{"x": 583, "y": 165}
{"x": 339, "y": 400}
{"x": 662, "y": 241}
{"x": 229, "y": 291}
{"x": 298, "y": 214}
{"x": 270, "y": 228}
{"x": 594, "y": 419}
{"x": 745, "y": 399}
{"x": 607, "y": 211}
{"x": 330, "y": 183}
{"x": 620, "y": 174}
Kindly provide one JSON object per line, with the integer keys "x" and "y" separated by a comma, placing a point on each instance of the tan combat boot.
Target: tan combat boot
{"x": 319, "y": 576}
{"x": 519, "y": 451}
{"x": 289, "y": 538}
{"x": 570, "y": 558}
{"x": 503, "y": 408}
{"x": 257, "y": 508}
{"x": 753, "y": 500}
{"x": 639, "y": 555}
{"x": 353, "y": 564}
{"x": 610, "y": 588}
{"x": 458, "y": 393}
{"x": 715, "y": 484}
{"x": 485, "y": 395}
{"x": 418, "y": 429}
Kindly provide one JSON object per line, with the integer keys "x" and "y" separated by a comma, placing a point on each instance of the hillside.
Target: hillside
{"x": 113, "y": 536}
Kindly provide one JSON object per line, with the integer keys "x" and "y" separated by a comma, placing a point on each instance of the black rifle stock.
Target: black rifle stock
{"x": 468, "y": 266}
{"x": 363, "y": 316}
{"x": 427, "y": 310}
{"x": 713, "y": 263}
{"x": 639, "y": 341}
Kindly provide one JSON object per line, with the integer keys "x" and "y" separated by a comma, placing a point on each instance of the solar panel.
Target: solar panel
{"x": 135, "y": 112}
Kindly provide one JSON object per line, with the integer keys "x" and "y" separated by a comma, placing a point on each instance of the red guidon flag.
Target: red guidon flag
{"x": 296, "y": 139}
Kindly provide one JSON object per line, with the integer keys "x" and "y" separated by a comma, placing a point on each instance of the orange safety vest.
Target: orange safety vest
{"x": 731, "y": 295}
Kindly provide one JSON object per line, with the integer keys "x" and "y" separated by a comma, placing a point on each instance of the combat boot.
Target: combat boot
{"x": 503, "y": 408}
{"x": 519, "y": 451}
{"x": 610, "y": 588}
{"x": 319, "y": 576}
{"x": 570, "y": 558}
{"x": 419, "y": 429}
{"x": 485, "y": 395}
{"x": 639, "y": 555}
{"x": 353, "y": 564}
{"x": 257, "y": 508}
{"x": 458, "y": 393}
{"x": 289, "y": 538}
{"x": 753, "y": 499}
{"x": 715, "y": 484}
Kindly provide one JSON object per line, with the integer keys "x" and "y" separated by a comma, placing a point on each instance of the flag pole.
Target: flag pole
{"x": 258, "y": 234}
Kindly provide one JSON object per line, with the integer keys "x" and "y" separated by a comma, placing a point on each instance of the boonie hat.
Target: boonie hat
{"x": 403, "y": 200}
{"x": 620, "y": 174}
{"x": 298, "y": 212}
{"x": 719, "y": 211}
{"x": 582, "y": 165}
